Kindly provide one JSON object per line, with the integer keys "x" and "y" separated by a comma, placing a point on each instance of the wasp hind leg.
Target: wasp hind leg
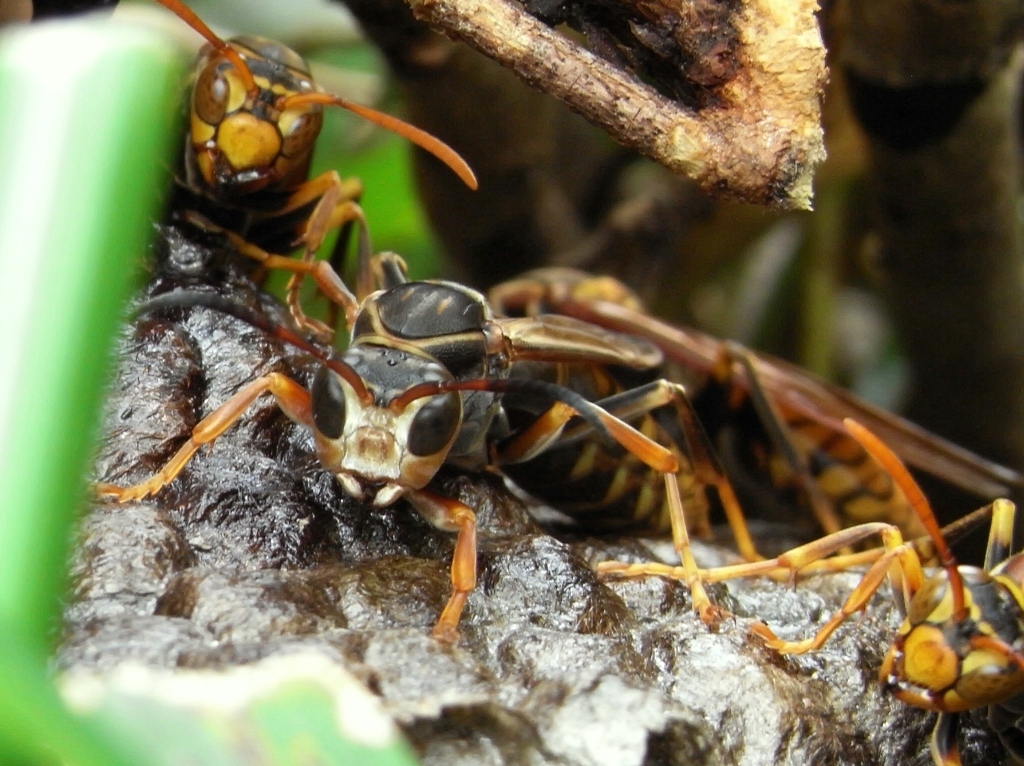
{"x": 667, "y": 404}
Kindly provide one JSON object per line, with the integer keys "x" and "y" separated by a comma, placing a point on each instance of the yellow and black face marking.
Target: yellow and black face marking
{"x": 240, "y": 139}
{"x": 935, "y": 660}
{"x": 254, "y": 117}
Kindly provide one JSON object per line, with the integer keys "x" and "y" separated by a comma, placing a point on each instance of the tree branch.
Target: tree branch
{"x": 758, "y": 139}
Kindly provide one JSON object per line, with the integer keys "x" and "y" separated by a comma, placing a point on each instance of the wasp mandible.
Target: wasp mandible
{"x": 254, "y": 117}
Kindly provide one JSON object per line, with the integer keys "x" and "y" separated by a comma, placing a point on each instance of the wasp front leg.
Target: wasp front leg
{"x": 325, "y": 277}
{"x": 337, "y": 204}
{"x": 898, "y": 562}
{"x": 451, "y": 516}
{"x": 292, "y": 398}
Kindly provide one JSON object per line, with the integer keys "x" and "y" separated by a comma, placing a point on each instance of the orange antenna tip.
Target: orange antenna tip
{"x": 899, "y": 473}
{"x": 410, "y": 133}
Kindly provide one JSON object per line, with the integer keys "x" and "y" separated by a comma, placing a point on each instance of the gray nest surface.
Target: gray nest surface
{"x": 256, "y": 551}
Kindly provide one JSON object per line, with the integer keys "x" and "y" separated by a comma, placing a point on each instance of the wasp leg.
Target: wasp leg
{"x": 451, "y": 516}
{"x": 899, "y": 562}
{"x": 814, "y": 557}
{"x": 389, "y": 270}
{"x": 689, "y": 573}
{"x": 943, "y": 741}
{"x": 336, "y": 206}
{"x": 326, "y": 279}
{"x": 708, "y": 470}
{"x": 315, "y": 189}
{"x": 688, "y": 475}
{"x": 339, "y": 253}
{"x": 292, "y": 398}
{"x": 778, "y": 432}
{"x": 709, "y": 613}
{"x": 1000, "y": 533}
{"x": 669, "y": 406}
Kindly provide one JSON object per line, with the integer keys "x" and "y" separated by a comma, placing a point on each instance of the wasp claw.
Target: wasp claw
{"x": 449, "y": 634}
{"x": 765, "y": 634}
{"x": 105, "y": 491}
{"x": 111, "y": 492}
{"x": 712, "y": 616}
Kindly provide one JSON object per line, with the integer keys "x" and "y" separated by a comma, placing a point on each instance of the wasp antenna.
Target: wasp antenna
{"x": 899, "y": 473}
{"x": 187, "y": 15}
{"x": 421, "y": 138}
{"x": 586, "y": 409}
{"x": 194, "y": 298}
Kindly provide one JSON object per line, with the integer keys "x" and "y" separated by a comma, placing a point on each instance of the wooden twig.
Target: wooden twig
{"x": 760, "y": 138}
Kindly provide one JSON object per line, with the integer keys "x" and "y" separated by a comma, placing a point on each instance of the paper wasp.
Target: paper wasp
{"x": 254, "y": 117}
{"x": 961, "y": 645}
{"x": 432, "y": 377}
{"x": 767, "y": 416}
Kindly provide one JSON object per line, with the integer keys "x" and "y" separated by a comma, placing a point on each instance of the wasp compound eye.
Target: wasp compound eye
{"x": 299, "y": 130}
{"x": 327, "y": 400}
{"x": 435, "y": 424}
{"x": 210, "y": 96}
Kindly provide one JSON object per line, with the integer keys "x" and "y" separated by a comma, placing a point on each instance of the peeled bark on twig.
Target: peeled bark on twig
{"x": 758, "y": 138}
{"x": 553, "y": 188}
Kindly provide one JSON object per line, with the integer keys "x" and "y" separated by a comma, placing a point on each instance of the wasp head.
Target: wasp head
{"x": 950, "y": 663}
{"x": 377, "y": 451}
{"x": 240, "y": 139}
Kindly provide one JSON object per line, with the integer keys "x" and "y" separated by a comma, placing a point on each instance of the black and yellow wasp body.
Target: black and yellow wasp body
{"x": 429, "y": 378}
{"x": 254, "y": 116}
{"x": 776, "y": 429}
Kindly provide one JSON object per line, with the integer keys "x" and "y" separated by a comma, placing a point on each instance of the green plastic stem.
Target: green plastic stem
{"x": 89, "y": 113}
